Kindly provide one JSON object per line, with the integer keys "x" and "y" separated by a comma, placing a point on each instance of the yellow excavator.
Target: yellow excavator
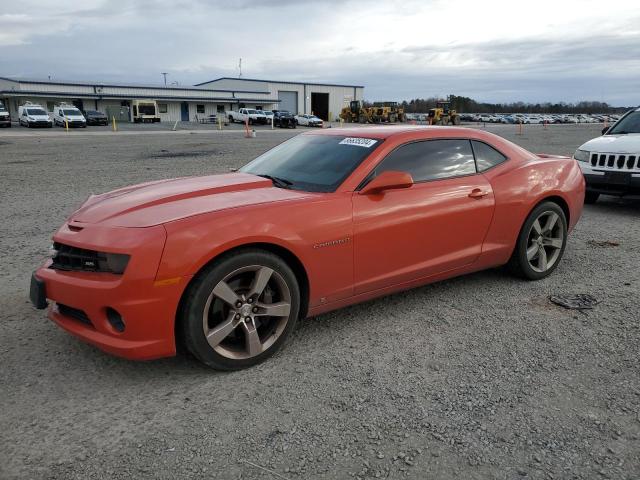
{"x": 443, "y": 114}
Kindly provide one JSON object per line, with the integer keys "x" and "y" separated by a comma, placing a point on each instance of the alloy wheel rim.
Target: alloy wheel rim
{"x": 545, "y": 241}
{"x": 246, "y": 312}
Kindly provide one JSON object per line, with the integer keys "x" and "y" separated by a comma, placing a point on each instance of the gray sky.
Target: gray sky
{"x": 491, "y": 50}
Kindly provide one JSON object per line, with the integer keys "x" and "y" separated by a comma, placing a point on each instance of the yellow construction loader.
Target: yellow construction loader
{"x": 380, "y": 112}
{"x": 443, "y": 114}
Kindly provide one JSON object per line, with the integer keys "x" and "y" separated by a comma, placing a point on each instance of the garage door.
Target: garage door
{"x": 288, "y": 101}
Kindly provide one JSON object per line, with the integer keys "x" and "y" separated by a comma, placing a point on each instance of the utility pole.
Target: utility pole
{"x": 164, "y": 74}
{"x": 240, "y": 68}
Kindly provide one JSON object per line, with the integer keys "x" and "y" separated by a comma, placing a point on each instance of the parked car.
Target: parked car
{"x": 65, "y": 114}
{"x": 33, "y": 115}
{"x": 5, "y": 118}
{"x": 228, "y": 263}
{"x": 309, "y": 120}
{"x": 611, "y": 163}
{"x": 283, "y": 119}
{"x": 247, "y": 115}
{"x": 268, "y": 115}
{"x": 95, "y": 117}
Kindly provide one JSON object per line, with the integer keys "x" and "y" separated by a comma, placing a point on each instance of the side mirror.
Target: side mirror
{"x": 605, "y": 130}
{"x": 389, "y": 180}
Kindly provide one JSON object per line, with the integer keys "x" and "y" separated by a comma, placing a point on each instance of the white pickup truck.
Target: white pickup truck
{"x": 244, "y": 114}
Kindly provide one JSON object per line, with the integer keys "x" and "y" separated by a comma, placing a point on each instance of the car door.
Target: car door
{"x": 436, "y": 225}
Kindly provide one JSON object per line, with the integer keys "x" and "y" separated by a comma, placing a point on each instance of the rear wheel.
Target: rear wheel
{"x": 240, "y": 310}
{"x": 591, "y": 197}
{"x": 541, "y": 242}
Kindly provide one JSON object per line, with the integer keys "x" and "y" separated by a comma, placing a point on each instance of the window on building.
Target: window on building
{"x": 431, "y": 160}
{"x": 50, "y": 106}
{"x": 200, "y": 108}
{"x": 220, "y": 109}
{"x": 162, "y": 108}
{"x": 486, "y": 156}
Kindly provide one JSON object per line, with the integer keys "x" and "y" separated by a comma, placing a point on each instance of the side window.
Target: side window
{"x": 431, "y": 159}
{"x": 486, "y": 156}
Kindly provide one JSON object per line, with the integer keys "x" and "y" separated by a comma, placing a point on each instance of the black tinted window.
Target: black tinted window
{"x": 486, "y": 156}
{"x": 431, "y": 159}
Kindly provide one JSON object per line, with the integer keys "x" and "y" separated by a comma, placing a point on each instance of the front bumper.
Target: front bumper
{"x": 611, "y": 182}
{"x": 76, "y": 123}
{"x": 5, "y": 121}
{"x": 80, "y": 301}
{"x": 40, "y": 123}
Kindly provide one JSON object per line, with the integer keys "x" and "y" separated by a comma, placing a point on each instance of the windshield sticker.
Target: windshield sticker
{"x": 359, "y": 142}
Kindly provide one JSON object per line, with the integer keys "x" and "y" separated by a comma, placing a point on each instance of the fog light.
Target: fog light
{"x": 115, "y": 319}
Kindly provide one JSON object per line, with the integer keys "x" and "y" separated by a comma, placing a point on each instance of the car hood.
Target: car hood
{"x": 155, "y": 203}
{"x": 39, "y": 117}
{"x": 629, "y": 143}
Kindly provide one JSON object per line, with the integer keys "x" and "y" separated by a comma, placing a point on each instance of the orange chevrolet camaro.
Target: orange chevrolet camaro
{"x": 226, "y": 264}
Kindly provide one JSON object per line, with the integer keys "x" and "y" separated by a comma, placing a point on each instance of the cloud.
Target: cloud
{"x": 496, "y": 51}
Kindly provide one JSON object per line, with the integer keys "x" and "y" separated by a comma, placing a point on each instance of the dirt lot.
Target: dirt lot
{"x": 476, "y": 377}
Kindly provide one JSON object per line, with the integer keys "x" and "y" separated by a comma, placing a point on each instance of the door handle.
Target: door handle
{"x": 477, "y": 193}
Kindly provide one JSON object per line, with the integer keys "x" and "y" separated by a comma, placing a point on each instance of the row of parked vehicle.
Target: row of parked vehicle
{"x": 537, "y": 118}
{"x": 33, "y": 115}
{"x": 279, "y": 118}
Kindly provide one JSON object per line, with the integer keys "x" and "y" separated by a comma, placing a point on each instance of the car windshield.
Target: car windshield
{"x": 629, "y": 124}
{"x": 313, "y": 163}
{"x": 93, "y": 112}
{"x": 71, "y": 111}
{"x": 36, "y": 111}
{"x": 253, "y": 111}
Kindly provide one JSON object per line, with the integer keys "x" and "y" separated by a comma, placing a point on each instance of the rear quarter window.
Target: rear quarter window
{"x": 486, "y": 156}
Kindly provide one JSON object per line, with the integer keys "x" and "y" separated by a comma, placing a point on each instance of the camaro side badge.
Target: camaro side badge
{"x": 332, "y": 243}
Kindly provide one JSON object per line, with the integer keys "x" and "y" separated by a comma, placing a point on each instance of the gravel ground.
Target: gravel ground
{"x": 476, "y": 377}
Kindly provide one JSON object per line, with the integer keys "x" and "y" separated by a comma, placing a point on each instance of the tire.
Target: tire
{"x": 230, "y": 119}
{"x": 233, "y": 277}
{"x": 591, "y": 197}
{"x": 526, "y": 260}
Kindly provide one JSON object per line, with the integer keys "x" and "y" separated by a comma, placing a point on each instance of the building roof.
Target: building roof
{"x": 194, "y": 88}
{"x": 280, "y": 81}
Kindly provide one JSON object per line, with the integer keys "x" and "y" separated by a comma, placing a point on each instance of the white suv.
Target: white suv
{"x": 611, "y": 163}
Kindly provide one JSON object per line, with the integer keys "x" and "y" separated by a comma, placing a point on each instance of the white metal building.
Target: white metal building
{"x": 324, "y": 100}
{"x": 182, "y": 103}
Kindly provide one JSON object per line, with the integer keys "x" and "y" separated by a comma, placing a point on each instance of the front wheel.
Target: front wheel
{"x": 541, "y": 242}
{"x": 240, "y": 310}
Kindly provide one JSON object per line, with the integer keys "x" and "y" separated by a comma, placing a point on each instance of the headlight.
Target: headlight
{"x": 113, "y": 262}
{"x": 581, "y": 155}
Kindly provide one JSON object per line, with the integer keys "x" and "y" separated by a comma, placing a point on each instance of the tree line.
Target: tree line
{"x": 469, "y": 105}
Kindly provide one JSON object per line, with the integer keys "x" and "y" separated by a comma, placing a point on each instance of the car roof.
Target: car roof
{"x": 389, "y": 131}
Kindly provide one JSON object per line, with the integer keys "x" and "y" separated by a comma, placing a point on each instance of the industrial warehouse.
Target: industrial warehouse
{"x": 177, "y": 103}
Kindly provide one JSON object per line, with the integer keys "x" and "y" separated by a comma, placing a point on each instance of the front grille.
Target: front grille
{"x": 74, "y": 313}
{"x": 80, "y": 259}
{"x": 615, "y": 161}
